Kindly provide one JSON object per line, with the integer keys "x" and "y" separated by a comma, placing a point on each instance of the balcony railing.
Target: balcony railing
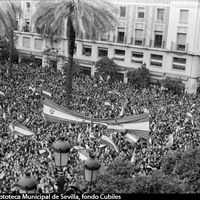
{"x": 179, "y": 47}
{"x": 120, "y": 57}
{"x": 157, "y": 44}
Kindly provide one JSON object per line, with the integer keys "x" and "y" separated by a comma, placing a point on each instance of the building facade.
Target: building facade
{"x": 163, "y": 34}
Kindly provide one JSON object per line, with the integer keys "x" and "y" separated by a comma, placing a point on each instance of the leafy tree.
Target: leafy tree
{"x": 185, "y": 166}
{"x": 88, "y": 18}
{"x": 117, "y": 178}
{"x": 8, "y": 13}
{"x": 140, "y": 76}
{"x": 107, "y": 67}
{"x": 174, "y": 85}
{"x": 157, "y": 183}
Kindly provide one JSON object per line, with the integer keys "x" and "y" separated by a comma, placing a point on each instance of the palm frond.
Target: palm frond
{"x": 89, "y": 17}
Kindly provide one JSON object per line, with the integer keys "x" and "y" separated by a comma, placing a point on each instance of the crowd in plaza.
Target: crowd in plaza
{"x": 170, "y": 115}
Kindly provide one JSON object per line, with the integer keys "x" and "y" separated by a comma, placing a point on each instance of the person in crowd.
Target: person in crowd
{"x": 23, "y": 103}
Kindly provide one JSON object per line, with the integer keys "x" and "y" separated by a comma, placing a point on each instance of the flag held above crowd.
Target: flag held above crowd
{"x": 83, "y": 155}
{"x": 2, "y": 95}
{"x": 19, "y": 130}
{"x": 106, "y": 140}
{"x": 131, "y": 137}
{"x": 47, "y": 94}
{"x": 45, "y": 152}
{"x": 138, "y": 124}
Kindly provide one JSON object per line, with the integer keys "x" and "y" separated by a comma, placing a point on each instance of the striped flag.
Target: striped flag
{"x": 106, "y": 140}
{"x": 131, "y": 137}
{"x": 45, "y": 152}
{"x": 2, "y": 175}
{"x": 145, "y": 110}
{"x": 2, "y": 94}
{"x": 1, "y": 109}
{"x": 189, "y": 115}
{"x": 19, "y": 130}
{"x": 133, "y": 157}
{"x": 8, "y": 110}
{"x": 43, "y": 116}
{"x": 79, "y": 138}
{"x": 101, "y": 78}
{"x": 107, "y": 103}
{"x": 102, "y": 145}
{"x": 83, "y": 155}
{"x": 122, "y": 109}
{"x": 48, "y": 94}
{"x": 31, "y": 88}
{"x": 4, "y": 115}
{"x": 150, "y": 140}
{"x": 138, "y": 124}
{"x": 170, "y": 140}
{"x": 11, "y": 128}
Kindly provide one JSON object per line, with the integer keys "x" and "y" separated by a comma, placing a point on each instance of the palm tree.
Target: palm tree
{"x": 82, "y": 17}
{"x": 8, "y": 15}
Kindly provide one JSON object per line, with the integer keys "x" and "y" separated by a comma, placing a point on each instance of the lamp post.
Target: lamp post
{"x": 91, "y": 167}
{"x": 27, "y": 184}
{"x": 61, "y": 155}
{"x": 61, "y": 152}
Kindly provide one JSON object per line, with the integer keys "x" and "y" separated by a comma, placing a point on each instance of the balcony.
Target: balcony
{"x": 157, "y": 44}
{"x": 26, "y": 28}
{"x": 137, "y": 41}
{"x": 179, "y": 47}
{"x": 121, "y": 40}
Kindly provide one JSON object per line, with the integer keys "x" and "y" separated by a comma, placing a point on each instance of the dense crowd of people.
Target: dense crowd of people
{"x": 168, "y": 115}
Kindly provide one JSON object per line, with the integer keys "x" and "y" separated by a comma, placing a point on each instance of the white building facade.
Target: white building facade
{"x": 163, "y": 34}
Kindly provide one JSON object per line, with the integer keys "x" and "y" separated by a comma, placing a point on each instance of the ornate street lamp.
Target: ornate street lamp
{"x": 27, "y": 184}
{"x": 61, "y": 152}
{"x": 91, "y": 167}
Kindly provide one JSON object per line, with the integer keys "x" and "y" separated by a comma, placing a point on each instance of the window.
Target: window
{"x": 28, "y": 6}
{"x": 38, "y": 30}
{"x": 160, "y": 14}
{"x": 183, "y": 16}
{"x": 38, "y": 44}
{"x": 181, "y": 41}
{"x": 17, "y": 24}
{"x": 119, "y": 54}
{"x": 75, "y": 49}
{"x": 26, "y": 42}
{"x": 120, "y": 37}
{"x": 138, "y": 37}
{"x": 156, "y": 60}
{"x": 158, "y": 37}
{"x": 103, "y": 37}
{"x": 179, "y": 63}
{"x": 102, "y": 52}
{"x": 141, "y": 12}
{"x": 27, "y": 25}
{"x": 137, "y": 57}
{"x": 122, "y": 11}
{"x": 87, "y": 50}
